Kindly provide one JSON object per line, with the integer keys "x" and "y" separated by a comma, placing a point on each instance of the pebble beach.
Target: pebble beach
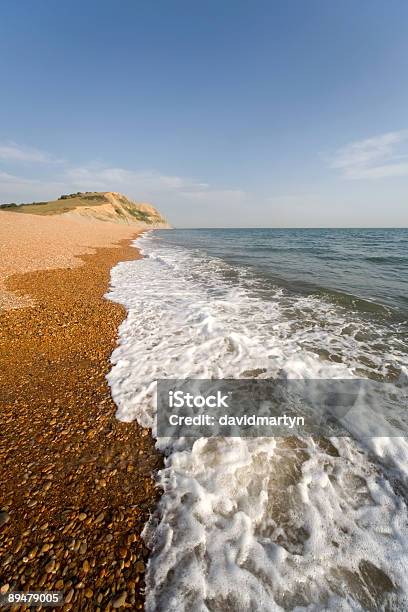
{"x": 76, "y": 484}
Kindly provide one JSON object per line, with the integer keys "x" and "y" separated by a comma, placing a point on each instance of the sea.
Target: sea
{"x": 270, "y": 524}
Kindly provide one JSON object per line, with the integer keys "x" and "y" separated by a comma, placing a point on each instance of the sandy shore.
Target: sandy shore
{"x": 76, "y": 485}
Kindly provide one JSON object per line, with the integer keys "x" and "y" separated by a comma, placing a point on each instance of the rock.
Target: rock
{"x": 18, "y": 546}
{"x": 82, "y": 516}
{"x": 69, "y": 596}
{"x": 88, "y": 593}
{"x": 85, "y": 566}
{"x": 59, "y": 585}
{"x": 43, "y": 580}
{"x": 140, "y": 567}
{"x": 100, "y": 517}
{"x": 123, "y": 552}
{"x": 4, "y": 588}
{"x": 82, "y": 548}
{"x": 50, "y": 566}
{"x": 120, "y": 601}
{"x": 4, "y": 518}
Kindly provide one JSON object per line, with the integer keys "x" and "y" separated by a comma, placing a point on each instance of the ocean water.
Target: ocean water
{"x": 270, "y": 523}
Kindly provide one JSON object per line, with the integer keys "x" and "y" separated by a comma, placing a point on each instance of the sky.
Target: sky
{"x": 221, "y": 113}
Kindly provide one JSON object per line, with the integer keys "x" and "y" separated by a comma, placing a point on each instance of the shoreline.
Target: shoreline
{"x": 77, "y": 486}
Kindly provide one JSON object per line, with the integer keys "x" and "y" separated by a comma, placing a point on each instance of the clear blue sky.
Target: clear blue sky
{"x": 228, "y": 113}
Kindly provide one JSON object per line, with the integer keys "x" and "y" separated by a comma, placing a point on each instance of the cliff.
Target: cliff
{"x": 104, "y": 206}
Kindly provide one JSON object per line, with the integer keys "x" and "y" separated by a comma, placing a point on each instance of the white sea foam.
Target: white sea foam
{"x": 264, "y": 523}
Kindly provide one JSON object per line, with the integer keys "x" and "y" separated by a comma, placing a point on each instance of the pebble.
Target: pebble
{"x": 85, "y": 566}
{"x": 82, "y": 548}
{"x": 4, "y": 588}
{"x": 120, "y": 601}
{"x": 69, "y": 596}
{"x": 18, "y": 546}
{"x": 4, "y": 518}
{"x": 123, "y": 552}
{"x": 45, "y": 547}
{"x": 42, "y": 580}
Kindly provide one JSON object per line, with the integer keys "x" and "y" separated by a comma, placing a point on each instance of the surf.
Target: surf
{"x": 263, "y": 523}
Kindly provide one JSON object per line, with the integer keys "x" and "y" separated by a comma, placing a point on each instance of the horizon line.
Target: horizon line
{"x": 288, "y": 227}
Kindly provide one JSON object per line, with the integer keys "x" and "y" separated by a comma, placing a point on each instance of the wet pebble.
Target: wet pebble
{"x": 119, "y": 601}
